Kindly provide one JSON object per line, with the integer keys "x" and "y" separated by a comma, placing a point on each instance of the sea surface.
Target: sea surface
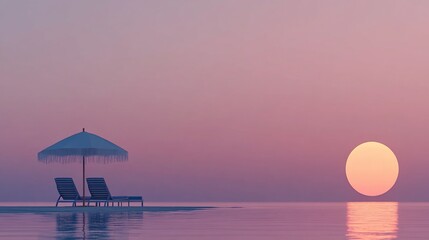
{"x": 351, "y": 220}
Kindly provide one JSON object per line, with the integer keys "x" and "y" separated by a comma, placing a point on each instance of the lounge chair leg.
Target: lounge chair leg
{"x": 56, "y": 205}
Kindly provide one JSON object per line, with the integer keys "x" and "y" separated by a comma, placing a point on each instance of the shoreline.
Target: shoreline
{"x": 44, "y": 209}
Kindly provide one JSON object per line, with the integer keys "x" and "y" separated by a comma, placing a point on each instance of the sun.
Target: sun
{"x": 372, "y": 169}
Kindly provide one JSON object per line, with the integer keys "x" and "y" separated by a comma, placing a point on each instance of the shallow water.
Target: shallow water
{"x": 365, "y": 221}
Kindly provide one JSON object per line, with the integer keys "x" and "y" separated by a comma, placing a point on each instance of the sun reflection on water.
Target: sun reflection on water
{"x": 372, "y": 220}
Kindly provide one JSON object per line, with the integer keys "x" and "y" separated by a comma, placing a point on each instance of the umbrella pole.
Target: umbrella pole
{"x": 83, "y": 181}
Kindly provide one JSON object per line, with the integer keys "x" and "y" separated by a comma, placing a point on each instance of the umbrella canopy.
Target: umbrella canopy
{"x": 86, "y": 144}
{"x": 83, "y": 146}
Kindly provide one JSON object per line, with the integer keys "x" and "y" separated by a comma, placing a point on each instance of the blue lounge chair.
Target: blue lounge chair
{"x": 100, "y": 194}
{"x": 68, "y": 191}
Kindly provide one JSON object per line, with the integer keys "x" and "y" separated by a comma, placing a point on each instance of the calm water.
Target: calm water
{"x": 230, "y": 221}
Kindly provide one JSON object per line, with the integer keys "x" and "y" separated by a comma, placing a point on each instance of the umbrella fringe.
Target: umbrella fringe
{"x": 78, "y": 158}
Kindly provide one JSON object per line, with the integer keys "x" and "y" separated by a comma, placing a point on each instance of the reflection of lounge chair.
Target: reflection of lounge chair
{"x": 68, "y": 191}
{"x": 100, "y": 194}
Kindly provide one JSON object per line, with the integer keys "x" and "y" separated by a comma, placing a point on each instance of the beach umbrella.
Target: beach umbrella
{"x": 84, "y": 147}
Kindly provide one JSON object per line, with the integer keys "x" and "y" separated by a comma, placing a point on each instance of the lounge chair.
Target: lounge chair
{"x": 100, "y": 194}
{"x": 68, "y": 191}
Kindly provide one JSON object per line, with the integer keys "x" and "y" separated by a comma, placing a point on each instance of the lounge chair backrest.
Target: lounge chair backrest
{"x": 67, "y": 189}
{"x": 98, "y": 189}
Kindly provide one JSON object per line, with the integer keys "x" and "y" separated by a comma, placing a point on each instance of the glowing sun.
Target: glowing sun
{"x": 372, "y": 169}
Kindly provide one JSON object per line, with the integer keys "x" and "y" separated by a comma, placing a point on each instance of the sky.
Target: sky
{"x": 215, "y": 100}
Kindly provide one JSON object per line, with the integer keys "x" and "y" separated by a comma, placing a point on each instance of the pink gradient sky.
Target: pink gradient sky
{"x": 215, "y": 100}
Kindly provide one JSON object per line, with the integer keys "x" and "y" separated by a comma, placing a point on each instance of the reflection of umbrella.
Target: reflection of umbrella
{"x": 85, "y": 146}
